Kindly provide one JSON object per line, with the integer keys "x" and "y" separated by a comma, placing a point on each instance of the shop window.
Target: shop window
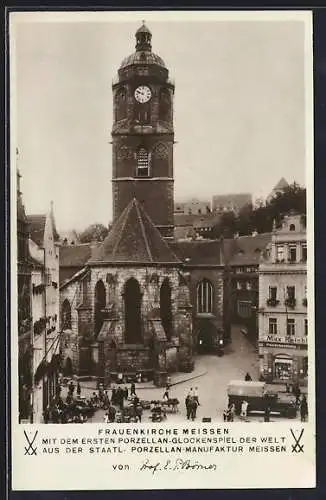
{"x": 290, "y": 326}
{"x": 204, "y": 297}
{"x": 283, "y": 368}
{"x": 306, "y": 327}
{"x": 272, "y": 326}
{"x": 143, "y": 163}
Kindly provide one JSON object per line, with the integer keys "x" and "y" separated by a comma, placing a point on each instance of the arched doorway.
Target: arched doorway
{"x": 100, "y": 303}
{"x": 132, "y": 298}
{"x": 166, "y": 308}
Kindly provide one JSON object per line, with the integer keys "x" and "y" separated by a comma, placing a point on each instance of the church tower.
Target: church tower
{"x": 143, "y": 135}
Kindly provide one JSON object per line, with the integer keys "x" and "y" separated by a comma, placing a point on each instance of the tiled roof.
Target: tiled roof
{"x": 246, "y": 250}
{"x": 134, "y": 239}
{"x": 282, "y": 183}
{"x": 74, "y": 255}
{"x": 198, "y": 252}
{"x": 237, "y": 199}
{"x": 36, "y": 228}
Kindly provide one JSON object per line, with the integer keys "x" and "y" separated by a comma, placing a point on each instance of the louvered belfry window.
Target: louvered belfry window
{"x": 142, "y": 163}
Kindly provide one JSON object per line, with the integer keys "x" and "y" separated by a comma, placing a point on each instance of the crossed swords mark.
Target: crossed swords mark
{"x": 30, "y": 449}
{"x": 297, "y": 447}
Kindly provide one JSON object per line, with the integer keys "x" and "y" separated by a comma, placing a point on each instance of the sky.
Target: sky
{"x": 239, "y": 111}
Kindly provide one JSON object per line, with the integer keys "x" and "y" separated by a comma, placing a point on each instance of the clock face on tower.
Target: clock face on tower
{"x": 143, "y": 93}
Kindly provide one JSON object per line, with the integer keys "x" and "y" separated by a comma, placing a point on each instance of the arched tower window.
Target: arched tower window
{"x": 143, "y": 163}
{"x": 121, "y": 105}
{"x": 166, "y": 308}
{"x": 142, "y": 113}
{"x": 204, "y": 297}
{"x": 165, "y": 105}
{"x": 66, "y": 315}
{"x": 100, "y": 303}
{"x": 132, "y": 300}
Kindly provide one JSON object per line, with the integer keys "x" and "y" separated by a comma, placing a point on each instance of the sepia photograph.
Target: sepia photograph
{"x": 162, "y": 180}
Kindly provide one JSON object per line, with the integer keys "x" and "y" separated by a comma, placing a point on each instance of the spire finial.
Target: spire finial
{"x": 143, "y": 38}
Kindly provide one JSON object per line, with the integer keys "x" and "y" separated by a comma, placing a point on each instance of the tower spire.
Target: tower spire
{"x": 143, "y": 38}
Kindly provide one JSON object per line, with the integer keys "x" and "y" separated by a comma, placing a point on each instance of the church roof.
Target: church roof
{"x": 198, "y": 252}
{"x": 142, "y": 57}
{"x": 133, "y": 239}
{"x": 74, "y": 255}
{"x": 36, "y": 228}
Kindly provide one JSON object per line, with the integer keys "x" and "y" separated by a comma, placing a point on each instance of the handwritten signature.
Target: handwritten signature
{"x": 175, "y": 465}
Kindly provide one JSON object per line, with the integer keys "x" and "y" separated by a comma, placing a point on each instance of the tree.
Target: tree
{"x": 94, "y": 232}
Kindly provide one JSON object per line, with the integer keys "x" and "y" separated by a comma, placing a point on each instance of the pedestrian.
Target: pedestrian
{"x": 193, "y": 408}
{"x": 120, "y": 398}
{"x": 244, "y": 409}
{"x": 248, "y": 377}
{"x": 196, "y": 396}
{"x": 267, "y": 414}
{"x": 78, "y": 390}
{"x": 125, "y": 392}
{"x": 133, "y": 389}
{"x": 188, "y": 409}
{"x": 304, "y": 409}
{"x": 71, "y": 388}
{"x": 226, "y": 415}
{"x": 297, "y": 393}
{"x": 167, "y": 392}
{"x": 231, "y": 412}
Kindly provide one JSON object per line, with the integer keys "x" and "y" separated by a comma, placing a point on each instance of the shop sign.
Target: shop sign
{"x": 289, "y": 341}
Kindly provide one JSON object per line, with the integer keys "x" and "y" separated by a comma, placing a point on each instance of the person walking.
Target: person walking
{"x": 193, "y": 408}
{"x": 78, "y": 390}
{"x": 125, "y": 392}
{"x": 248, "y": 377}
{"x": 297, "y": 393}
{"x": 303, "y": 409}
{"x": 166, "y": 394}
{"x": 71, "y": 388}
{"x": 231, "y": 412}
{"x": 244, "y": 409}
{"x": 196, "y": 396}
{"x": 133, "y": 389}
{"x": 187, "y": 403}
{"x": 267, "y": 414}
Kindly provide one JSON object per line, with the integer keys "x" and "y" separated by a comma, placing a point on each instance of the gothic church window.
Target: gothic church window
{"x": 204, "y": 297}
{"x": 132, "y": 301}
{"x": 143, "y": 163}
{"x": 166, "y": 308}
{"x": 66, "y": 315}
{"x": 100, "y": 303}
{"x": 121, "y": 105}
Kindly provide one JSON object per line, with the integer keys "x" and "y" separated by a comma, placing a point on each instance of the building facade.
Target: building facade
{"x": 143, "y": 135}
{"x": 44, "y": 253}
{"x": 233, "y": 202}
{"x": 283, "y": 321}
{"x": 24, "y": 293}
{"x": 242, "y": 257}
{"x": 128, "y": 309}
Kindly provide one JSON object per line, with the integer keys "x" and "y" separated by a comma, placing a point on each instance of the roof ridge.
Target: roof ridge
{"x": 124, "y": 223}
{"x": 162, "y": 239}
{"x": 143, "y": 230}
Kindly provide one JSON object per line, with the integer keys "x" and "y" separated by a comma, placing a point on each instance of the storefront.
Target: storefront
{"x": 283, "y": 360}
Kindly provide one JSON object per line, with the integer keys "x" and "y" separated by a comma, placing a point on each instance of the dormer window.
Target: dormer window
{"x": 143, "y": 163}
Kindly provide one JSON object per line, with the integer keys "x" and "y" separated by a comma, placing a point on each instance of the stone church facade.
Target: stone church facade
{"x": 128, "y": 310}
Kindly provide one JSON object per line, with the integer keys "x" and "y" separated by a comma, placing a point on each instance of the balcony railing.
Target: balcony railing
{"x": 290, "y": 303}
{"x": 272, "y": 302}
